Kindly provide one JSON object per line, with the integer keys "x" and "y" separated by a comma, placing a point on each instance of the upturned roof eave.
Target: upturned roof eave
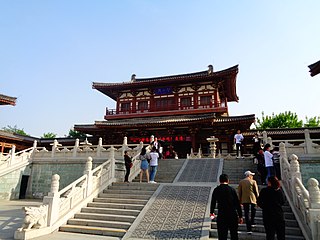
{"x": 111, "y": 89}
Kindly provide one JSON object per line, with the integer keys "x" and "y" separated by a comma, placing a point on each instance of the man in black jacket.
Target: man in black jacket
{"x": 229, "y": 209}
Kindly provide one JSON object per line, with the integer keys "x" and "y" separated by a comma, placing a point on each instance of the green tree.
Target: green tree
{"x": 14, "y": 129}
{"x": 281, "y": 120}
{"x": 76, "y": 134}
{"x": 49, "y": 135}
{"x": 312, "y": 122}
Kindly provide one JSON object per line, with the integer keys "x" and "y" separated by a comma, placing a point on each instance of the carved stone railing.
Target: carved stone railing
{"x": 296, "y": 146}
{"x": 305, "y": 202}
{"x": 62, "y": 205}
{"x": 15, "y": 160}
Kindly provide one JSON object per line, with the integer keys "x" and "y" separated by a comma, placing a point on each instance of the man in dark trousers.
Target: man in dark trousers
{"x": 229, "y": 209}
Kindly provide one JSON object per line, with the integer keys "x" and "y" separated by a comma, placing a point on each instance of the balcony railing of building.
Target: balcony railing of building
{"x": 170, "y": 107}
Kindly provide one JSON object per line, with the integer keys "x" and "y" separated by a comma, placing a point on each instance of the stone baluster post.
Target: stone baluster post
{"x": 314, "y": 211}
{"x": 113, "y": 162}
{"x": 35, "y": 144}
{"x": 264, "y": 138}
{"x": 269, "y": 140}
{"x": 53, "y": 200}
{"x": 283, "y": 158}
{"x": 55, "y": 145}
{"x": 99, "y": 147}
{"x": 12, "y": 155}
{"x": 294, "y": 173}
{"x": 88, "y": 172}
{"x": 124, "y": 145}
{"x": 308, "y": 142}
{"x": 76, "y": 147}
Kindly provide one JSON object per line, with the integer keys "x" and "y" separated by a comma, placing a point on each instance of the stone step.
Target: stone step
{"x": 287, "y": 215}
{"x": 213, "y": 234}
{"x": 133, "y": 186}
{"x": 113, "y": 211}
{"x": 116, "y": 205}
{"x": 127, "y": 196}
{"x": 93, "y": 230}
{"x": 120, "y": 201}
{"x": 99, "y": 223}
{"x": 260, "y": 228}
{"x": 128, "y": 191}
{"x": 105, "y": 217}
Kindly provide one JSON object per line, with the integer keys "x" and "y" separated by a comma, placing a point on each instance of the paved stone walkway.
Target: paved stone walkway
{"x": 200, "y": 170}
{"x": 177, "y": 213}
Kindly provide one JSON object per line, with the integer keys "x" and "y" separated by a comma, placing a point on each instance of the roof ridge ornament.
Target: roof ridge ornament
{"x": 133, "y": 78}
{"x": 210, "y": 70}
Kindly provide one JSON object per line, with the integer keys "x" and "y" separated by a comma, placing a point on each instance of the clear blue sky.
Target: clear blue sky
{"x": 52, "y": 51}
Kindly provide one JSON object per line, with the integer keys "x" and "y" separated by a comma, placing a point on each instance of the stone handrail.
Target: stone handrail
{"x": 62, "y": 205}
{"x": 15, "y": 160}
{"x": 305, "y": 202}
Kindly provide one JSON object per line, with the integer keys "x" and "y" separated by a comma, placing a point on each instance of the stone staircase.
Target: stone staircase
{"x": 167, "y": 170}
{"x": 235, "y": 170}
{"x": 113, "y": 211}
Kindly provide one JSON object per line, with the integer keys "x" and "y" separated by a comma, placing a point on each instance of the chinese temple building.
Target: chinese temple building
{"x": 6, "y": 100}
{"x": 181, "y": 110}
{"x": 314, "y": 68}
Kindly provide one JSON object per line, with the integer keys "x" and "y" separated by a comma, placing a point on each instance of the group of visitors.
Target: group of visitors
{"x": 149, "y": 161}
{"x": 267, "y": 160}
{"x": 270, "y": 200}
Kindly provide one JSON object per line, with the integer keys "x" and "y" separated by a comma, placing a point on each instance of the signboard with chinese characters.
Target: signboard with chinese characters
{"x": 163, "y": 90}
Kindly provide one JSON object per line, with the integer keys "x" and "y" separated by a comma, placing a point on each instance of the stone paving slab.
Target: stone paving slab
{"x": 200, "y": 170}
{"x": 178, "y": 212}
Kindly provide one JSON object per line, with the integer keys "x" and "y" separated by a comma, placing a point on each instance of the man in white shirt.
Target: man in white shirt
{"x": 153, "y": 164}
{"x": 238, "y": 139}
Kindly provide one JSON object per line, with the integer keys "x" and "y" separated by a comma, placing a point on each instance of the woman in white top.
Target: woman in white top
{"x": 238, "y": 138}
{"x": 268, "y": 161}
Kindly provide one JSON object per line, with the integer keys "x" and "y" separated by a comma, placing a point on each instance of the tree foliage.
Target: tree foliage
{"x": 312, "y": 122}
{"x": 76, "y": 134}
{"x": 15, "y": 130}
{"x": 281, "y": 120}
{"x": 49, "y": 135}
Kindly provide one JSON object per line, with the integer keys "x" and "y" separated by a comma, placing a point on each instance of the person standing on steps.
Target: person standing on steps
{"x": 248, "y": 194}
{"x": 144, "y": 164}
{"x": 153, "y": 164}
{"x": 238, "y": 140}
{"x": 270, "y": 200}
{"x": 128, "y": 165}
{"x": 229, "y": 209}
{"x": 268, "y": 161}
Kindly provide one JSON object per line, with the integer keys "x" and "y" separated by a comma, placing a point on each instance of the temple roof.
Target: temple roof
{"x": 226, "y": 77}
{"x": 314, "y": 68}
{"x": 166, "y": 121}
{"x": 6, "y": 100}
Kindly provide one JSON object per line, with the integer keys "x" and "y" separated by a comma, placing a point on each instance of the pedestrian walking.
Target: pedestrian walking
{"x": 271, "y": 199}
{"x": 268, "y": 161}
{"x": 229, "y": 209}
{"x": 238, "y": 140}
{"x": 143, "y": 157}
{"x": 248, "y": 194}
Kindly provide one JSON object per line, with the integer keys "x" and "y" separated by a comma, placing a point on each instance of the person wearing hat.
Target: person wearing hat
{"x": 248, "y": 194}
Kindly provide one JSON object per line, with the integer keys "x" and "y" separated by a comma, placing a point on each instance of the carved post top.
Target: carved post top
{"x": 314, "y": 192}
{"x": 89, "y": 164}
{"x": 100, "y": 142}
{"x": 35, "y": 143}
{"x": 125, "y": 141}
{"x": 76, "y": 144}
{"x": 294, "y": 164}
{"x": 55, "y": 183}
